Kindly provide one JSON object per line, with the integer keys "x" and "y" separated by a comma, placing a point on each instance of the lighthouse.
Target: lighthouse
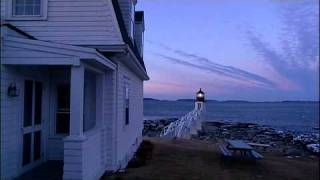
{"x": 199, "y": 106}
{"x": 189, "y": 124}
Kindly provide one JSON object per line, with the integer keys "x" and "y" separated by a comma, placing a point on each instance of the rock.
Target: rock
{"x": 122, "y": 170}
{"x": 220, "y": 131}
{"x": 315, "y": 148}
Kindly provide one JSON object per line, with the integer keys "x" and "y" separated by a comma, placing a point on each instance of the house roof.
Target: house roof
{"x": 10, "y": 26}
{"x": 124, "y": 32}
{"x": 49, "y": 53}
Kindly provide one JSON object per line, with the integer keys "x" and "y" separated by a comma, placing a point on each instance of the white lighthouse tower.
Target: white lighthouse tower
{"x": 200, "y": 107}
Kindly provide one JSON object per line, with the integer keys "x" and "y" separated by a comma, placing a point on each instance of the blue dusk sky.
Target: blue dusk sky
{"x": 257, "y": 50}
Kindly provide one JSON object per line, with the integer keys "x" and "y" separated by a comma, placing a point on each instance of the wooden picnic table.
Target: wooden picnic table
{"x": 239, "y": 146}
{"x": 234, "y": 147}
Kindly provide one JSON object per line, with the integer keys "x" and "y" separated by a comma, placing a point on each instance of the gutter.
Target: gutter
{"x": 124, "y": 48}
{"x": 141, "y": 68}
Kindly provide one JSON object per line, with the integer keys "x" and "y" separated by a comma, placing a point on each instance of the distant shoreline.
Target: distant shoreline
{"x": 232, "y": 101}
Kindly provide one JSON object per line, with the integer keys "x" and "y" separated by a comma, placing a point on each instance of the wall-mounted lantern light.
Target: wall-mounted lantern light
{"x": 13, "y": 90}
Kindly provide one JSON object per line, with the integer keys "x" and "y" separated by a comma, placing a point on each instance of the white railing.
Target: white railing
{"x": 183, "y": 127}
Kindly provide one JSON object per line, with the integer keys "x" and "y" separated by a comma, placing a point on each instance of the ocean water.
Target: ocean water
{"x": 300, "y": 117}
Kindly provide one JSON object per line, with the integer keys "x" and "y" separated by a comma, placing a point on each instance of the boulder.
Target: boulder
{"x": 315, "y": 148}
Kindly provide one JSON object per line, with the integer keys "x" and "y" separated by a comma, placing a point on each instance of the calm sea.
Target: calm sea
{"x": 300, "y": 117}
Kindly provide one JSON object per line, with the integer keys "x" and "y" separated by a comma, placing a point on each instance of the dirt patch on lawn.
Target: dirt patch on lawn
{"x": 195, "y": 159}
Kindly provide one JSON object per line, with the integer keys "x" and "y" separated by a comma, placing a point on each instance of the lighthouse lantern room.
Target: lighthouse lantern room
{"x": 200, "y": 98}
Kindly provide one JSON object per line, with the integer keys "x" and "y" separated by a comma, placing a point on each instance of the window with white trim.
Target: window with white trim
{"x": 26, "y": 7}
{"x": 126, "y": 91}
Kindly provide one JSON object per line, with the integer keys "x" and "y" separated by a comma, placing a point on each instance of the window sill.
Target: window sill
{"x": 58, "y": 136}
{"x": 26, "y": 18}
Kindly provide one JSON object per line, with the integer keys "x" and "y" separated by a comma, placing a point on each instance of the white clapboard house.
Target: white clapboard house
{"x": 72, "y": 77}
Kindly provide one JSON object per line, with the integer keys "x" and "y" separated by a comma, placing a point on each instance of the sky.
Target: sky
{"x": 266, "y": 50}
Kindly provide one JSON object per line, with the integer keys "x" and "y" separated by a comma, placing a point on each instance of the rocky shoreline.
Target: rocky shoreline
{"x": 285, "y": 143}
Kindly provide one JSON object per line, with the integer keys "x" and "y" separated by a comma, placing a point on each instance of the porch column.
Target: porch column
{"x": 74, "y": 144}
{"x": 76, "y": 101}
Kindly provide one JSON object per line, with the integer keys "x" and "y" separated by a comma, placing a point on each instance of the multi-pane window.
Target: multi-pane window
{"x": 26, "y": 7}
{"x": 63, "y": 109}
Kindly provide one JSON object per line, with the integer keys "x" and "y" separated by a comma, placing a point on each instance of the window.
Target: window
{"x": 26, "y": 7}
{"x": 63, "y": 109}
{"x": 28, "y": 98}
{"x": 38, "y": 103}
{"x": 37, "y": 145}
{"x": 126, "y": 103}
{"x": 26, "y": 149}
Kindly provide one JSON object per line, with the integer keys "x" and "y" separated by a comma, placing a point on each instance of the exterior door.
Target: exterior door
{"x": 32, "y": 140}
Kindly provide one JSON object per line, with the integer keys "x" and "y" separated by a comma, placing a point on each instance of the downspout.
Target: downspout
{"x": 116, "y": 117}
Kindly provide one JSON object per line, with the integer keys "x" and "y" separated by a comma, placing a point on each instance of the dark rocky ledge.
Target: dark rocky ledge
{"x": 286, "y": 143}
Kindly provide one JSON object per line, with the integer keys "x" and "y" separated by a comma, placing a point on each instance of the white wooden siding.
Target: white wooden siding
{"x": 3, "y": 7}
{"x": 82, "y": 159}
{"x": 78, "y": 22}
{"x": 129, "y": 136}
{"x": 109, "y": 118}
{"x": 9, "y": 126}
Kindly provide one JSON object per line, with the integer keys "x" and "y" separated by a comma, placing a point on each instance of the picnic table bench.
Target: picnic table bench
{"x": 225, "y": 152}
{"x": 256, "y": 155}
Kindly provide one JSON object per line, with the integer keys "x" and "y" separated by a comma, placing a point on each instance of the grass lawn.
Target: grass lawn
{"x": 193, "y": 159}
